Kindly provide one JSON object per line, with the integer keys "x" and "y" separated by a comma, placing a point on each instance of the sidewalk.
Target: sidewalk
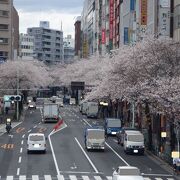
{"x": 161, "y": 163}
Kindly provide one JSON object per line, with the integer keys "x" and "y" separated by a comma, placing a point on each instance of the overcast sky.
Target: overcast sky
{"x": 32, "y": 11}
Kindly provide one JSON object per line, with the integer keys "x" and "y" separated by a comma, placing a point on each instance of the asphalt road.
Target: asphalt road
{"x": 66, "y": 154}
{"x": 13, "y": 151}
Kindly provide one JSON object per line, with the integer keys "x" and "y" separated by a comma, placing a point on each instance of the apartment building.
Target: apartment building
{"x": 26, "y": 47}
{"x": 48, "y": 44}
{"x": 9, "y": 31}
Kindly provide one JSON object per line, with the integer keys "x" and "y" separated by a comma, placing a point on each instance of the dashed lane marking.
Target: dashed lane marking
{"x": 21, "y": 150}
{"x": 20, "y": 158}
{"x": 22, "y": 142}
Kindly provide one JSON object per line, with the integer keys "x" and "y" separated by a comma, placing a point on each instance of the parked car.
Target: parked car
{"x": 32, "y": 105}
{"x": 127, "y": 173}
{"x": 120, "y": 134}
{"x": 36, "y": 142}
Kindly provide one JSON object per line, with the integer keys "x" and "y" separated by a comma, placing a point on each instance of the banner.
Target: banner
{"x": 143, "y": 12}
{"x": 111, "y": 18}
{"x": 103, "y": 36}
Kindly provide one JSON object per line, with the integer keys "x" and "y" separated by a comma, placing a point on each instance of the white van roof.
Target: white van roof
{"x": 131, "y": 132}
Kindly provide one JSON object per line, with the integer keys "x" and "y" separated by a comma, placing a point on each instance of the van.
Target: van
{"x": 133, "y": 142}
{"x": 36, "y": 142}
{"x": 92, "y": 109}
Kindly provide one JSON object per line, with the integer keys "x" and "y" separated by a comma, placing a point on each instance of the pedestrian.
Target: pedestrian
{"x": 178, "y": 165}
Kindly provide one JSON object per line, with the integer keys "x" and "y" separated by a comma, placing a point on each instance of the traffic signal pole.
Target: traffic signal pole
{"x": 17, "y": 109}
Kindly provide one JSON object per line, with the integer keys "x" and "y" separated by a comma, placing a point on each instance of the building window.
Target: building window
{"x": 4, "y": 1}
{"x": 4, "y": 13}
{"x": 3, "y": 40}
{"x": 3, "y": 27}
{"x": 177, "y": 17}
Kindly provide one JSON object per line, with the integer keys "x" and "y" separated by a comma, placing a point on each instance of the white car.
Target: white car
{"x": 32, "y": 105}
{"x": 36, "y": 142}
{"x": 127, "y": 173}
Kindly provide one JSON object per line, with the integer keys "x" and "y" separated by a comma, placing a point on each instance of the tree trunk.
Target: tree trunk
{"x": 149, "y": 125}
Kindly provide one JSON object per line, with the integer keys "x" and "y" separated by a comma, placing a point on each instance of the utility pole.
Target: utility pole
{"x": 133, "y": 115}
{"x": 17, "y": 92}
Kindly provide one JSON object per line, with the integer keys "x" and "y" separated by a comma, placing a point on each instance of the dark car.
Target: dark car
{"x": 120, "y": 134}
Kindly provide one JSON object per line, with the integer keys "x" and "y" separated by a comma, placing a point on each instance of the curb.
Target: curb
{"x": 163, "y": 164}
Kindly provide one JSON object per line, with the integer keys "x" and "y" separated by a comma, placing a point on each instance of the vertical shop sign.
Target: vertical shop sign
{"x": 111, "y": 18}
{"x": 103, "y": 36}
{"x": 143, "y": 12}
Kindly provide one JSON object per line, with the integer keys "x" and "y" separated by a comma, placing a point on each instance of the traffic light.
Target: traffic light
{"x": 15, "y": 98}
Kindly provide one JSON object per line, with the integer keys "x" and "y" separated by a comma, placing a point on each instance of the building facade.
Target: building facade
{"x": 77, "y": 26}
{"x": 48, "y": 44}
{"x": 9, "y": 31}
{"x": 68, "y": 49}
{"x": 176, "y": 27}
{"x": 26, "y": 47}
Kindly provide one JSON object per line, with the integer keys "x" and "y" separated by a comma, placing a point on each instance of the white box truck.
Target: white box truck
{"x": 133, "y": 142}
{"x": 50, "y": 112}
{"x": 94, "y": 138}
{"x": 92, "y": 109}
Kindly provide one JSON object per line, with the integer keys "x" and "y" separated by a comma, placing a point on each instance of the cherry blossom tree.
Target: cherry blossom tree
{"x": 27, "y": 73}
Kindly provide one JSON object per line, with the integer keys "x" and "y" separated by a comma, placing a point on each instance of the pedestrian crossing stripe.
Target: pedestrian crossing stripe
{"x": 73, "y": 177}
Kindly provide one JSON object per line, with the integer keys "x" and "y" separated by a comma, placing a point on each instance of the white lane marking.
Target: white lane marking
{"x": 87, "y": 122}
{"x": 54, "y": 156}
{"x": 22, "y": 177}
{"x": 35, "y": 126}
{"x": 23, "y": 135}
{"x": 35, "y": 177}
{"x": 170, "y": 178}
{"x": 72, "y": 177}
{"x": 60, "y": 177}
{"x": 18, "y": 171}
{"x": 109, "y": 177}
{"x": 21, "y": 150}
{"x": 97, "y": 178}
{"x": 95, "y": 169}
{"x": 146, "y": 178}
{"x": 78, "y": 172}
{"x": 9, "y": 178}
{"x": 40, "y": 123}
{"x": 163, "y": 175}
{"x": 158, "y": 178}
{"x": 29, "y": 130}
{"x": 85, "y": 178}
{"x": 22, "y": 142}
{"x": 20, "y": 158}
{"x": 47, "y": 177}
{"x": 110, "y": 147}
{"x": 117, "y": 154}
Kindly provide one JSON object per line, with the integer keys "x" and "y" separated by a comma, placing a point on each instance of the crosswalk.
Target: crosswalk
{"x": 74, "y": 177}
